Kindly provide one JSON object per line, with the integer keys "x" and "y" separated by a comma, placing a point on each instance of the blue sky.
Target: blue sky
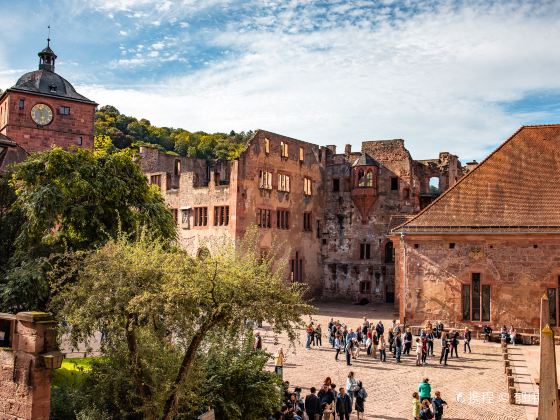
{"x": 456, "y": 76}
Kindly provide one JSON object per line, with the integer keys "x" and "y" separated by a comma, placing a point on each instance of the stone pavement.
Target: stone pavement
{"x": 474, "y": 385}
{"x": 524, "y": 383}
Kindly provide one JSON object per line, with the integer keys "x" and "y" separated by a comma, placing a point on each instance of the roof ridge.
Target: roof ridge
{"x": 465, "y": 177}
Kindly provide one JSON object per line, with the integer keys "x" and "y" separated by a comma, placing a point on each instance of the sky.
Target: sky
{"x": 454, "y": 76}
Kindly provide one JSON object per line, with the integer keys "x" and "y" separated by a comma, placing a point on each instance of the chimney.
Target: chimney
{"x": 332, "y": 148}
{"x": 348, "y": 149}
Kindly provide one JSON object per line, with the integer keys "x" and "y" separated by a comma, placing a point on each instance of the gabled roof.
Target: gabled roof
{"x": 515, "y": 189}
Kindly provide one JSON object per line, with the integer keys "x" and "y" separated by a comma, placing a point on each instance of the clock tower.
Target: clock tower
{"x": 43, "y": 109}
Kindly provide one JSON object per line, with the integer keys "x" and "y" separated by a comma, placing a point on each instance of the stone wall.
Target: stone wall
{"x": 25, "y": 380}
{"x": 66, "y": 131}
{"x": 518, "y": 269}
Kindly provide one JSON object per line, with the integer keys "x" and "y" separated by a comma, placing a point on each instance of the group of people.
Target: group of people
{"x": 328, "y": 403}
{"x": 399, "y": 341}
{"x": 424, "y": 407}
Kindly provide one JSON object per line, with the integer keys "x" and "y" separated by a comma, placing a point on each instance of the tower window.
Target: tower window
{"x": 52, "y": 88}
{"x": 64, "y": 110}
{"x": 80, "y": 141}
{"x": 394, "y": 183}
{"x": 365, "y": 251}
{"x": 21, "y": 103}
{"x": 336, "y": 185}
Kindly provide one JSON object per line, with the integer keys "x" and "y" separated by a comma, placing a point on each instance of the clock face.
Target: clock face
{"x": 42, "y": 114}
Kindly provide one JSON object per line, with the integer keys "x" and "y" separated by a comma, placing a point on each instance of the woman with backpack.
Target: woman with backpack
{"x": 351, "y": 387}
{"x": 361, "y": 396}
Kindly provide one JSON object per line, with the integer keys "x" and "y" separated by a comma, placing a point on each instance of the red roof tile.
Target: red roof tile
{"x": 514, "y": 189}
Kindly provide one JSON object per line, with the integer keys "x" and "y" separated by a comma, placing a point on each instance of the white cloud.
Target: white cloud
{"x": 436, "y": 79}
{"x": 158, "y": 46}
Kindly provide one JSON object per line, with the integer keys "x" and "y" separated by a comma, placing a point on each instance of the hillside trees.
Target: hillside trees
{"x": 126, "y": 131}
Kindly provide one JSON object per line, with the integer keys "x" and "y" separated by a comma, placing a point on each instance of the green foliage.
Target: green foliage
{"x": 175, "y": 326}
{"x": 58, "y": 201}
{"x": 126, "y": 131}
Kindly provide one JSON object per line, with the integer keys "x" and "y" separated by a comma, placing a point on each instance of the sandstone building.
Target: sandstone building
{"x": 487, "y": 249}
{"x": 41, "y": 110}
{"x": 331, "y": 211}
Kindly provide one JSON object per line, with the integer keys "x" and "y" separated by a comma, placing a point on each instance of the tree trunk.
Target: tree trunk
{"x": 171, "y": 402}
{"x": 133, "y": 352}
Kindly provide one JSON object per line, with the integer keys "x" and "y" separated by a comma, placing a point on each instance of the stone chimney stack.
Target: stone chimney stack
{"x": 348, "y": 149}
{"x": 332, "y": 148}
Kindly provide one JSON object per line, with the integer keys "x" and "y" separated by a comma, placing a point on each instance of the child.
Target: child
{"x": 416, "y": 406}
{"x": 418, "y": 352}
{"x": 438, "y": 404}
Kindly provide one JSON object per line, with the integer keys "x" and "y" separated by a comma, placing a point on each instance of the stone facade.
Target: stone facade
{"x": 264, "y": 187}
{"x": 358, "y": 261}
{"x": 514, "y": 270}
{"x": 28, "y": 339}
{"x": 335, "y": 232}
{"x": 489, "y": 248}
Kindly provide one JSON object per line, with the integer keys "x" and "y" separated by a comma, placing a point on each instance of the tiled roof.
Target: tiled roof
{"x": 515, "y": 189}
{"x": 365, "y": 160}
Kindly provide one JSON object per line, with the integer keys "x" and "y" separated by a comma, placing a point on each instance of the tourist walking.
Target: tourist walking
{"x": 424, "y": 342}
{"x": 407, "y": 341}
{"x": 348, "y": 351}
{"x": 382, "y": 351}
{"x": 375, "y": 343}
{"x": 310, "y": 333}
{"x": 279, "y": 359}
{"x": 318, "y": 335}
{"x": 416, "y": 406}
{"x": 454, "y": 343}
{"x": 439, "y": 329}
{"x": 430, "y": 339}
{"x": 438, "y": 404}
{"x": 343, "y": 405}
{"x": 391, "y": 340}
{"x": 337, "y": 346}
{"x": 257, "y": 345}
{"x": 379, "y": 329}
{"x": 467, "y": 340}
{"x": 444, "y": 349}
{"x": 360, "y": 396}
{"x": 425, "y": 390}
{"x": 398, "y": 347}
{"x": 313, "y": 405}
{"x": 351, "y": 386}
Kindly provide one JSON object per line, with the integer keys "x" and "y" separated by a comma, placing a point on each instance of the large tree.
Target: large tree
{"x": 71, "y": 201}
{"x": 141, "y": 291}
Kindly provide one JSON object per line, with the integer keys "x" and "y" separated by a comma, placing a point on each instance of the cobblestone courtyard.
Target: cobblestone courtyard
{"x": 474, "y": 385}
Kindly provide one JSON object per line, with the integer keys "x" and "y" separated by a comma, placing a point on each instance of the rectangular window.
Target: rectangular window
{"x": 552, "y": 306}
{"x": 485, "y": 302}
{"x": 301, "y": 154}
{"x": 466, "y": 299}
{"x": 21, "y": 104}
{"x": 296, "y": 265}
{"x": 282, "y": 219}
{"x": 156, "y": 180}
{"x": 175, "y": 215}
{"x": 394, "y": 183}
{"x": 365, "y": 287}
{"x": 177, "y": 167}
{"x": 336, "y": 185}
{"x": 80, "y": 141}
{"x": 201, "y": 216}
{"x": 307, "y": 183}
{"x": 186, "y": 219}
{"x": 284, "y": 150}
{"x": 263, "y": 218}
{"x": 318, "y": 229}
{"x": 283, "y": 182}
{"x": 267, "y": 146}
{"x": 64, "y": 110}
{"x": 221, "y": 215}
{"x": 307, "y": 222}
{"x": 365, "y": 251}
{"x": 475, "y": 296}
{"x": 265, "y": 180}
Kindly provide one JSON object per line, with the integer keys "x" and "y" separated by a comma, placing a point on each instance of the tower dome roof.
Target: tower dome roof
{"x": 45, "y": 82}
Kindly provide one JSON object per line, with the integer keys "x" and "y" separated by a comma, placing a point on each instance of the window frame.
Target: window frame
{"x": 265, "y": 179}
{"x": 307, "y": 186}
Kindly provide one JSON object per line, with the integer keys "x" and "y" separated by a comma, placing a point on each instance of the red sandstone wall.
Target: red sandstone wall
{"x": 518, "y": 269}
{"x": 64, "y": 130}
